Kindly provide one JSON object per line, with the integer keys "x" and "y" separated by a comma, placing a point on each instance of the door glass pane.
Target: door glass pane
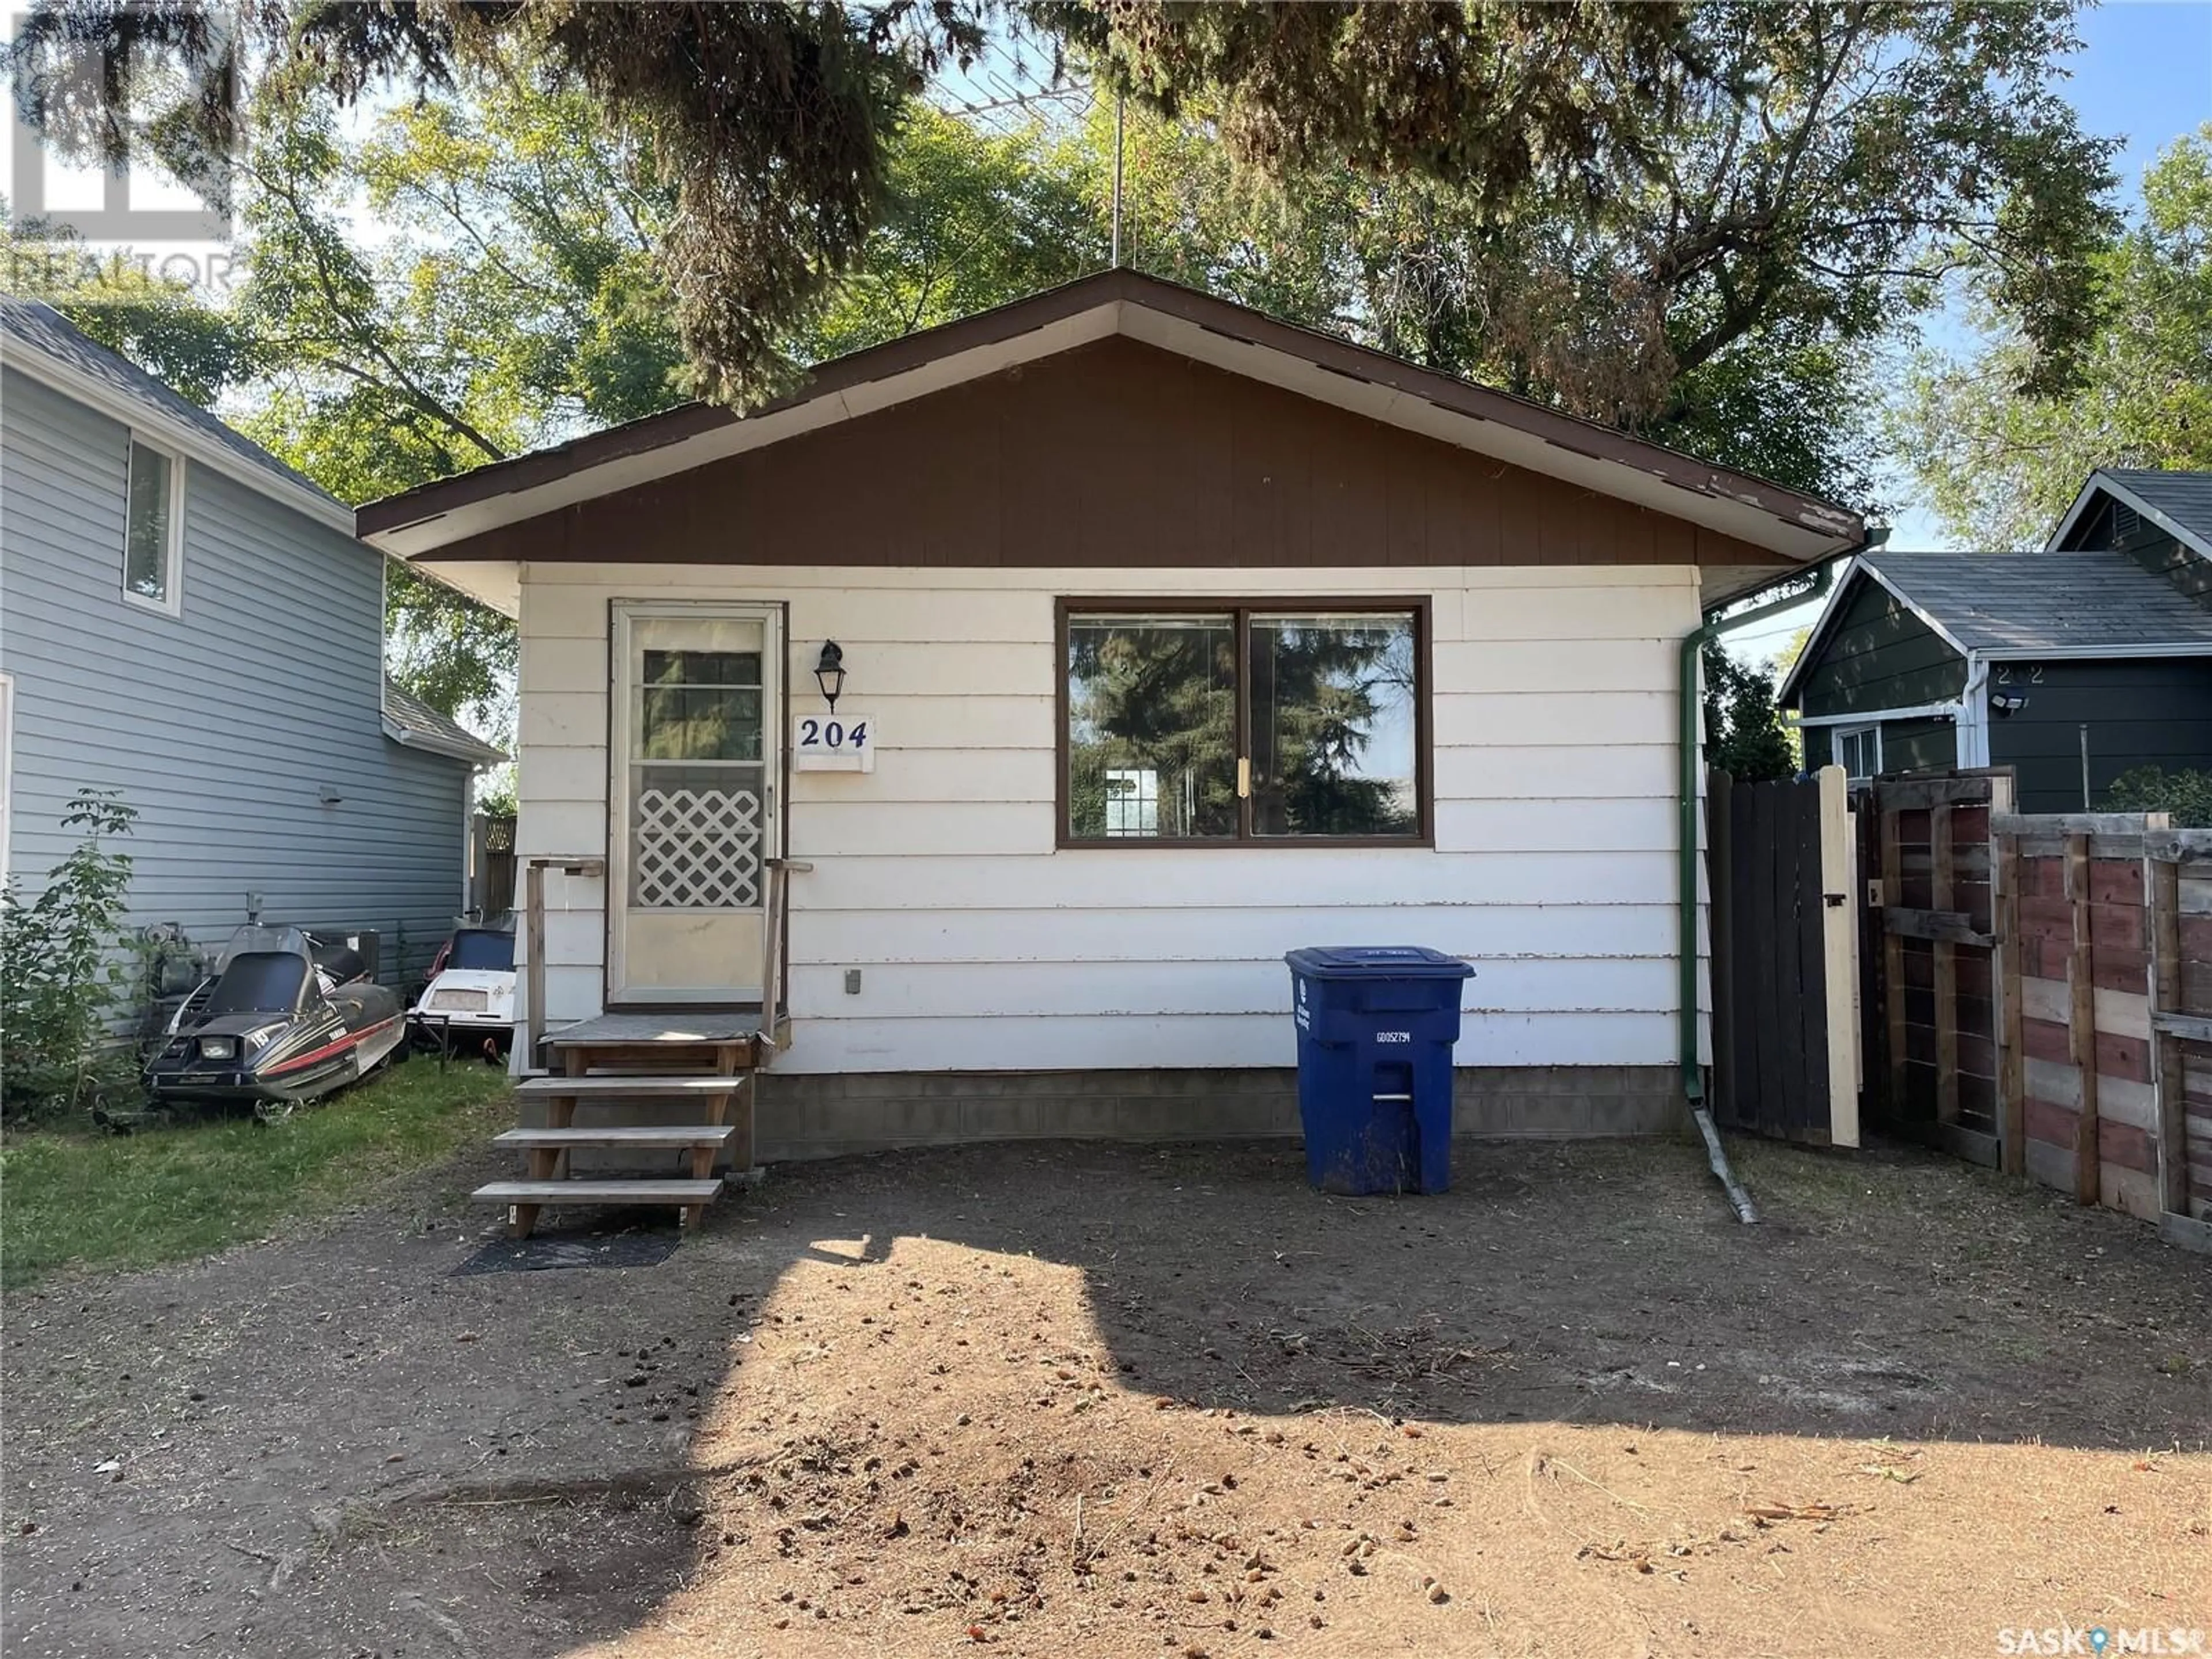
{"x": 146, "y": 544}
{"x": 1332, "y": 725}
{"x": 1151, "y": 727}
{"x": 699, "y": 786}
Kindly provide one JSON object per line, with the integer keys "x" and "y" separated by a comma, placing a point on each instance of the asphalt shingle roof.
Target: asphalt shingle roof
{"x": 2183, "y": 497}
{"x": 31, "y": 325}
{"x": 2046, "y": 601}
{"x": 411, "y": 714}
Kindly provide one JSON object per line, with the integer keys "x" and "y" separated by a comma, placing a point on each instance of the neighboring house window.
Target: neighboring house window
{"x": 153, "y": 534}
{"x": 1219, "y": 723}
{"x": 1858, "y": 751}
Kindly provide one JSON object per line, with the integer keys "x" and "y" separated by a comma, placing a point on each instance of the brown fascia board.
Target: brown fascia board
{"x": 1362, "y": 363}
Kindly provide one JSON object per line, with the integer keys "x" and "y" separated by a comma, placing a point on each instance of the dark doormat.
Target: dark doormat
{"x": 542, "y": 1252}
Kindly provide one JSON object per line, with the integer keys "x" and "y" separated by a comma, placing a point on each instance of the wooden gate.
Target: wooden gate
{"x": 1929, "y": 969}
{"x": 1784, "y": 1053}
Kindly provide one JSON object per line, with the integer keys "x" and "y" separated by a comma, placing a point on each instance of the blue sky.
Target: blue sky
{"x": 2144, "y": 74}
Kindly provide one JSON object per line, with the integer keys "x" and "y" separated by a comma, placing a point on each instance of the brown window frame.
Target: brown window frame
{"x": 1242, "y": 609}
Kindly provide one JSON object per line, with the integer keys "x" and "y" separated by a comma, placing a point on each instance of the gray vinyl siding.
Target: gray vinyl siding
{"x": 1879, "y": 656}
{"x": 2139, "y": 713}
{"x": 222, "y": 725}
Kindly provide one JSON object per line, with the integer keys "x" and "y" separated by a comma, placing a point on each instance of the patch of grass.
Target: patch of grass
{"x": 76, "y": 1198}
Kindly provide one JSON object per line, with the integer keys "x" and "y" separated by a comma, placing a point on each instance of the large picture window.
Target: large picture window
{"x": 1276, "y": 721}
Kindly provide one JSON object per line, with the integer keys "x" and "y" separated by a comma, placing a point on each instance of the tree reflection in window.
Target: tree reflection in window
{"x": 1333, "y": 727}
{"x": 1327, "y": 703}
{"x": 1151, "y": 727}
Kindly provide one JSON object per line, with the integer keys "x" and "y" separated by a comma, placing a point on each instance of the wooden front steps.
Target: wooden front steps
{"x": 524, "y": 1198}
{"x": 615, "y": 1064}
{"x": 622, "y": 1134}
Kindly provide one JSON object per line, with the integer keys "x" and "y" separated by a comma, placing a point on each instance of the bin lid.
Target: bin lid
{"x": 1375, "y": 962}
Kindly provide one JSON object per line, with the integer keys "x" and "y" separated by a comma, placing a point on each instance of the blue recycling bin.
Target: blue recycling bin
{"x": 1376, "y": 1023}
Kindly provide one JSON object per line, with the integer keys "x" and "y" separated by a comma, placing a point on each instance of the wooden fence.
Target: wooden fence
{"x": 491, "y": 866}
{"x": 2034, "y": 993}
{"x": 2107, "y": 1034}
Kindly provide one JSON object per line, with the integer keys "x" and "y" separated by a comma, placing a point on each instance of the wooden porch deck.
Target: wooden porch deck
{"x": 707, "y": 1025}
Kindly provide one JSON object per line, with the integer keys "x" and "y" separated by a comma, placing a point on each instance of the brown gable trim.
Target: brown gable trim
{"x": 1113, "y": 454}
{"x": 1584, "y": 439}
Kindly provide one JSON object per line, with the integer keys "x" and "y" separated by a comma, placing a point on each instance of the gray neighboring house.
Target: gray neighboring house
{"x": 185, "y": 619}
{"x": 1924, "y": 661}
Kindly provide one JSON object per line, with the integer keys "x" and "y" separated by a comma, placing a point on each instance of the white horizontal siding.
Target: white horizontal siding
{"x": 1106, "y": 1041}
{"x": 951, "y": 990}
{"x": 1553, "y": 720}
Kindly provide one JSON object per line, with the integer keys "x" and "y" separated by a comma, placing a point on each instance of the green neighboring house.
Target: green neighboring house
{"x": 2071, "y": 664}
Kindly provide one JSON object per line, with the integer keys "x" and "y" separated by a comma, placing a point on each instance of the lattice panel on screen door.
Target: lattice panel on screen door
{"x": 697, "y": 849}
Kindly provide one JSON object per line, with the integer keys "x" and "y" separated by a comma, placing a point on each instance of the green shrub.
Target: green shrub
{"x": 2187, "y": 795}
{"x": 59, "y": 972}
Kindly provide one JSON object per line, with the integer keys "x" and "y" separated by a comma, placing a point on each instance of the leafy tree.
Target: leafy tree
{"x": 1744, "y": 733}
{"x": 972, "y": 221}
{"x": 513, "y": 299}
{"x": 2001, "y": 465}
{"x": 1808, "y": 190}
{"x": 1679, "y": 177}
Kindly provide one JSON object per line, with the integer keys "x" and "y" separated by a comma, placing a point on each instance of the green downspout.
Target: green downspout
{"x": 1685, "y": 802}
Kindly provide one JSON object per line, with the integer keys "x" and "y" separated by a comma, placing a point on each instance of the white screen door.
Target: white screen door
{"x": 693, "y": 791}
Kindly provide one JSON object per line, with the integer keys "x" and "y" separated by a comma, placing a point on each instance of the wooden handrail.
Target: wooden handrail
{"x": 779, "y": 872}
{"x": 534, "y": 866}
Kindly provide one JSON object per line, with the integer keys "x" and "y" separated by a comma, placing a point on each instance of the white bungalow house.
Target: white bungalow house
{"x": 1171, "y": 637}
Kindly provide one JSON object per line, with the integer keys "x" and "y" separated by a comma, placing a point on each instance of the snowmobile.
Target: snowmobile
{"x": 286, "y": 1017}
{"x": 468, "y": 1006}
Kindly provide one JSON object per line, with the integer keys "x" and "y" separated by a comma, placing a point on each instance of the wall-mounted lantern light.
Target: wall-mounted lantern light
{"x": 830, "y": 672}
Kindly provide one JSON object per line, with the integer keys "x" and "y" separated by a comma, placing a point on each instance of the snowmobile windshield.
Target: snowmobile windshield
{"x": 263, "y": 941}
{"x": 259, "y": 983}
{"x": 483, "y": 949}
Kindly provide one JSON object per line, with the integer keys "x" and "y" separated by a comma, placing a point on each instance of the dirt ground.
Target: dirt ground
{"x": 1088, "y": 1400}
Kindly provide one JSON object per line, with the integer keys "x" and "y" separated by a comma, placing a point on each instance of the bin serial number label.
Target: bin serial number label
{"x": 1393, "y": 1036}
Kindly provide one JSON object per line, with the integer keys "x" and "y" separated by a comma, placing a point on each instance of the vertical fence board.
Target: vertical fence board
{"x": 1839, "y": 903}
{"x": 1893, "y": 958}
{"x": 2082, "y": 1026}
{"x": 2012, "y": 1088}
{"x": 1774, "y": 1068}
{"x": 1943, "y": 880}
{"x": 1808, "y": 1118}
{"x": 1743, "y": 863}
{"x": 2169, "y": 1072}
